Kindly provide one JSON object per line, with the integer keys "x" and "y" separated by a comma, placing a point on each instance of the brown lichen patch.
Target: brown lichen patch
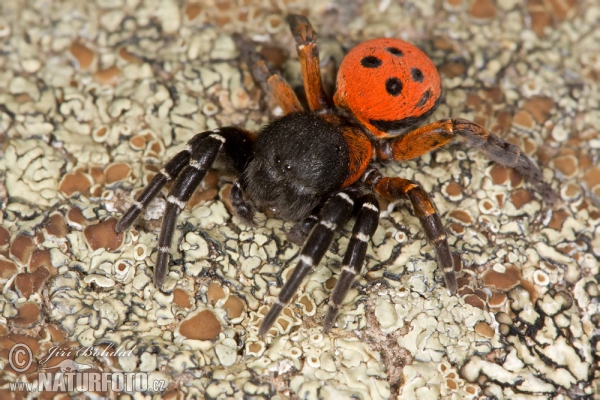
{"x": 523, "y": 119}
{"x": 308, "y": 306}
{"x": 127, "y": 56}
{"x": 192, "y": 10}
{"x": 592, "y": 177}
{"x": 557, "y": 220}
{"x": 330, "y": 283}
{"x": 97, "y": 174}
{"x": 475, "y": 301}
{"x": 28, "y": 283}
{"x": 41, "y": 258}
{"x": 103, "y": 235}
{"x": 456, "y": 229}
{"x": 572, "y": 191}
{"x": 117, "y": 172}
{"x": 77, "y": 182}
{"x": 28, "y": 314}
{"x": 453, "y": 189}
{"x": 451, "y": 384}
{"x": 484, "y": 329}
{"x": 108, "y": 76}
{"x": 4, "y": 236}
{"x": 452, "y": 69}
{"x": 498, "y": 299}
{"x": 502, "y": 281}
{"x": 22, "y": 247}
{"x": 234, "y": 307}
{"x": 137, "y": 142}
{"x": 56, "y": 226}
{"x": 182, "y": 298}
{"x": 563, "y": 9}
{"x": 566, "y": 164}
{"x": 202, "y": 326}
{"x": 481, "y": 294}
{"x": 533, "y": 295}
{"x": 521, "y": 197}
{"x": 214, "y": 293}
{"x": 7, "y": 269}
{"x": 82, "y": 54}
{"x": 57, "y": 334}
{"x": 75, "y": 217}
{"x": 462, "y": 216}
{"x": 254, "y": 347}
{"x": 483, "y": 9}
{"x": 200, "y": 196}
{"x": 539, "y": 107}
{"x": 499, "y": 174}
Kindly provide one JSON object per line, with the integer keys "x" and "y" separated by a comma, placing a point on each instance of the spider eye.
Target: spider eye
{"x": 287, "y": 167}
{"x": 277, "y": 160}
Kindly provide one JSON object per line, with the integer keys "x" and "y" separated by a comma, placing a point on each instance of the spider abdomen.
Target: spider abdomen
{"x": 297, "y": 160}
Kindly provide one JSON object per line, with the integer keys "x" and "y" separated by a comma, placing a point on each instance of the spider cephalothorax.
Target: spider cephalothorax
{"x": 298, "y": 159}
{"x": 318, "y": 168}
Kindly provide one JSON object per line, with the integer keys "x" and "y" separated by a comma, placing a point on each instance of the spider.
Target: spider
{"x": 318, "y": 167}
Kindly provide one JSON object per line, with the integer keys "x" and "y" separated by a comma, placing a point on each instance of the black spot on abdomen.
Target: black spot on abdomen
{"x": 417, "y": 75}
{"x": 393, "y": 86}
{"x": 370, "y": 62}
{"x": 395, "y": 51}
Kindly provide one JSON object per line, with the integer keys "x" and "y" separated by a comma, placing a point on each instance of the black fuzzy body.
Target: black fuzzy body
{"x": 298, "y": 160}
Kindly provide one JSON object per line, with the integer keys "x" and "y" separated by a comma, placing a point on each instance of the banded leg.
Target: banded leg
{"x": 429, "y": 137}
{"x": 364, "y": 228}
{"x": 201, "y": 159}
{"x": 167, "y": 173}
{"x": 270, "y": 80}
{"x": 238, "y": 147}
{"x": 308, "y": 54}
{"x": 394, "y": 188}
{"x": 335, "y": 213}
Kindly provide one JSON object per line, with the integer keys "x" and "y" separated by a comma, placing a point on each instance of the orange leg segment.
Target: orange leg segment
{"x": 395, "y": 188}
{"x": 308, "y": 54}
{"x": 429, "y": 137}
{"x": 270, "y": 80}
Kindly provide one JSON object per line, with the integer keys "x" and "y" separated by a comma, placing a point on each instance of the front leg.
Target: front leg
{"x": 395, "y": 188}
{"x": 187, "y": 169}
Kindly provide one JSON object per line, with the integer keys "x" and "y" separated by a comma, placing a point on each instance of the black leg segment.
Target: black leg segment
{"x": 336, "y": 211}
{"x": 364, "y": 228}
{"x": 202, "y": 157}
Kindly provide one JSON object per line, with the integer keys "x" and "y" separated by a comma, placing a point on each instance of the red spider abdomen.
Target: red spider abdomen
{"x": 388, "y": 85}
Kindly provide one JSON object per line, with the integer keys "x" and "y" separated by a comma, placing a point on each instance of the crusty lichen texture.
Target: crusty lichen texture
{"x": 96, "y": 95}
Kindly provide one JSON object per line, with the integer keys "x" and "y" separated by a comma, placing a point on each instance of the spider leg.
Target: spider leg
{"x": 243, "y": 208}
{"x": 429, "y": 137}
{"x": 238, "y": 147}
{"x": 394, "y": 188}
{"x": 336, "y": 211}
{"x": 364, "y": 228}
{"x": 201, "y": 158}
{"x": 167, "y": 173}
{"x": 308, "y": 54}
{"x": 270, "y": 80}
